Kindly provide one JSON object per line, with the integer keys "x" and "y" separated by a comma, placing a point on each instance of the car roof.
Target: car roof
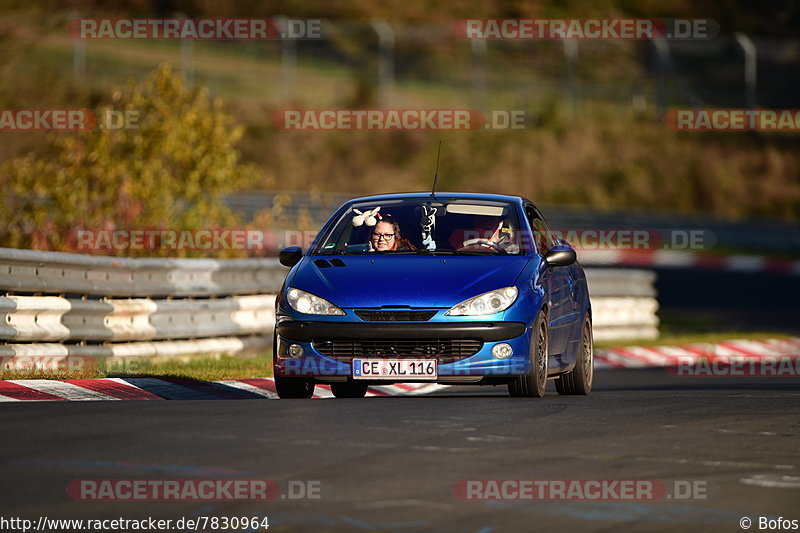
{"x": 471, "y": 195}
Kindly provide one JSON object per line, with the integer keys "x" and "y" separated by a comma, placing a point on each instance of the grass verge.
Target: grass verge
{"x": 200, "y": 368}
{"x": 672, "y": 339}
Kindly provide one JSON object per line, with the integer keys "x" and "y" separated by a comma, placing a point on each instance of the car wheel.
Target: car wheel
{"x": 289, "y": 388}
{"x": 349, "y": 389}
{"x": 579, "y": 379}
{"x": 533, "y": 384}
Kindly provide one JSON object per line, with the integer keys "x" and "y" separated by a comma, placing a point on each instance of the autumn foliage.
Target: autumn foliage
{"x": 171, "y": 172}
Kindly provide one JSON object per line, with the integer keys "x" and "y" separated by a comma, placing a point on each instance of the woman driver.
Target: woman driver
{"x": 386, "y": 236}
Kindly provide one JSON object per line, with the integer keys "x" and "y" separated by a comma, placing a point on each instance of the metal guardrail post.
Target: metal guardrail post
{"x": 750, "y": 74}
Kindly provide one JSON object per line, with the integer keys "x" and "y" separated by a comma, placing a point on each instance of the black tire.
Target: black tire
{"x": 292, "y": 388}
{"x": 578, "y": 381}
{"x": 349, "y": 389}
{"x": 534, "y": 383}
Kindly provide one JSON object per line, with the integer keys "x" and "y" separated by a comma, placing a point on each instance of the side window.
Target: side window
{"x": 541, "y": 233}
{"x": 542, "y": 236}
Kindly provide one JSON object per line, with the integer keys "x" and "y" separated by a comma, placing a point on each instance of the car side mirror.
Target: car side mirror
{"x": 290, "y": 256}
{"x": 560, "y": 256}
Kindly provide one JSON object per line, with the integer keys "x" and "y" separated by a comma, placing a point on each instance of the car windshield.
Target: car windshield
{"x": 425, "y": 226}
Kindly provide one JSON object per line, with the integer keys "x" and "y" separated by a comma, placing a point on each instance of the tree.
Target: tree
{"x": 171, "y": 173}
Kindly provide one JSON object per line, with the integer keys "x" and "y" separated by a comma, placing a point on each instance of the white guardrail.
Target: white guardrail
{"x": 59, "y": 305}
{"x": 624, "y": 303}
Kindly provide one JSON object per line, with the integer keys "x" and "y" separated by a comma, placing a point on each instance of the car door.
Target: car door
{"x": 556, "y": 283}
{"x": 571, "y": 310}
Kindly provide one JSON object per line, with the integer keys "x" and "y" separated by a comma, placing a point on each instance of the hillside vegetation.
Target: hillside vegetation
{"x": 604, "y": 152}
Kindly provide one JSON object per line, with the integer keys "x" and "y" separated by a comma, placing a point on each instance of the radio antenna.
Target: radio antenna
{"x": 436, "y": 174}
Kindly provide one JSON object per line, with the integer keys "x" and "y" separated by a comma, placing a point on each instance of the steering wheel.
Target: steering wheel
{"x": 482, "y": 242}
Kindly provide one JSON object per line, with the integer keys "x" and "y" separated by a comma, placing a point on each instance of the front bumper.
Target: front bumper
{"x": 463, "y": 350}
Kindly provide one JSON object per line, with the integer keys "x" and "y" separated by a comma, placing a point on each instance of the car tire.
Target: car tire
{"x": 349, "y": 389}
{"x": 534, "y": 383}
{"x": 293, "y": 388}
{"x": 578, "y": 381}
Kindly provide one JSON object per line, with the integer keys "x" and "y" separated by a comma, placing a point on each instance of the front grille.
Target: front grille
{"x": 395, "y": 316}
{"x": 443, "y": 350}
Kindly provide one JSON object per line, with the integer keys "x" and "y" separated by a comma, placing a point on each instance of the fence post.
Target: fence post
{"x": 288, "y": 58}
{"x": 187, "y": 57}
{"x": 750, "y": 54}
{"x": 386, "y": 38}
{"x": 662, "y": 52}
{"x": 79, "y": 59}
{"x": 478, "y": 48}
{"x": 187, "y": 61}
{"x": 78, "y": 53}
{"x": 570, "y": 65}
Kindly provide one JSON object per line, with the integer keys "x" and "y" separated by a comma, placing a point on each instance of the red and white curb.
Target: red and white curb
{"x": 683, "y": 259}
{"x": 661, "y": 356}
{"x": 264, "y": 388}
{"x": 173, "y": 389}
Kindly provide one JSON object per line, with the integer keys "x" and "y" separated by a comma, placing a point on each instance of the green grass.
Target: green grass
{"x": 249, "y": 81}
{"x": 51, "y": 374}
{"x": 671, "y": 339}
{"x": 200, "y": 368}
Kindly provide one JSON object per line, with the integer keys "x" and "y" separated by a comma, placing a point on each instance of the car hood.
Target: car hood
{"x": 404, "y": 280}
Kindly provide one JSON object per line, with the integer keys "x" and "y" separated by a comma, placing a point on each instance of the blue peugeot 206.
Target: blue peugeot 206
{"x": 450, "y": 288}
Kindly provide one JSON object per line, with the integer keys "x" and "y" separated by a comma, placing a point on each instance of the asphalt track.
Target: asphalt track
{"x": 390, "y": 463}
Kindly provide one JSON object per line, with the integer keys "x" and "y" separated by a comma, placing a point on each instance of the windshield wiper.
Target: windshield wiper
{"x": 444, "y": 251}
{"x": 387, "y": 252}
{"x": 425, "y": 251}
{"x": 478, "y": 252}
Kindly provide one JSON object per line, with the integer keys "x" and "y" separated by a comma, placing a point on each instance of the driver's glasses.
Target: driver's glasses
{"x": 384, "y": 236}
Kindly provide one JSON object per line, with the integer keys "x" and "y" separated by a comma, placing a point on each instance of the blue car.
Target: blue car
{"x": 450, "y": 288}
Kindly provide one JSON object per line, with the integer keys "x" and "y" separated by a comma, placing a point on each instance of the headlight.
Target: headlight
{"x": 485, "y": 304}
{"x": 305, "y": 302}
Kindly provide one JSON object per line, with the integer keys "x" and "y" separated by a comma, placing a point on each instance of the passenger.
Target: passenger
{"x": 386, "y": 236}
{"x": 492, "y": 234}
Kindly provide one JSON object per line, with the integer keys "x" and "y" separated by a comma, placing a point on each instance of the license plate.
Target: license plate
{"x": 394, "y": 369}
